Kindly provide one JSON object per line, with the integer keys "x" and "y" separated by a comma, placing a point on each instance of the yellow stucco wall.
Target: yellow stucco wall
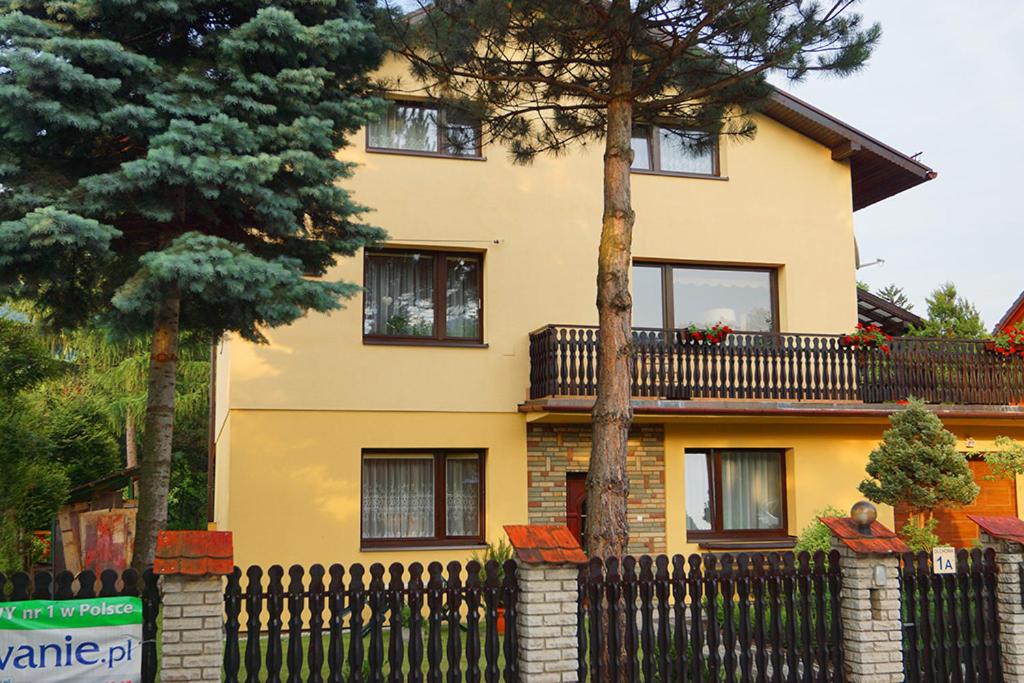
{"x": 294, "y": 479}
{"x": 785, "y": 203}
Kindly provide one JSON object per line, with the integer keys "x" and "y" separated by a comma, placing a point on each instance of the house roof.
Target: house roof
{"x": 1014, "y": 315}
{"x": 877, "y": 170}
{"x": 110, "y": 482}
{"x": 895, "y": 320}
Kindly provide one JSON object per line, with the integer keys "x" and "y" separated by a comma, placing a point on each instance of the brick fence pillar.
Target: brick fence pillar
{"x": 1005, "y": 535}
{"x": 869, "y": 601}
{"x": 192, "y": 566}
{"x": 547, "y": 567}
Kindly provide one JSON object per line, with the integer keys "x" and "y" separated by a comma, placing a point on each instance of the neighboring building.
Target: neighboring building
{"x": 1013, "y": 316}
{"x": 894, "y": 320}
{"x": 453, "y": 396}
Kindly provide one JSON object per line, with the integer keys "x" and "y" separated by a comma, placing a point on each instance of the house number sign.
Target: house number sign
{"x": 944, "y": 559}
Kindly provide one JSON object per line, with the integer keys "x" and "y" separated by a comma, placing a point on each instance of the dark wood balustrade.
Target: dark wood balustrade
{"x": 780, "y": 367}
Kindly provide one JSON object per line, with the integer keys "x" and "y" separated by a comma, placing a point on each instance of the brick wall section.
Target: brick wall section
{"x": 193, "y": 628}
{"x": 553, "y": 450}
{"x": 872, "y": 627}
{"x": 546, "y": 623}
{"x": 1009, "y": 556}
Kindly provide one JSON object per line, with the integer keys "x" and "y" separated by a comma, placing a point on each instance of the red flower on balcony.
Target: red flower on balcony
{"x": 868, "y": 337}
{"x": 1009, "y": 342}
{"x": 714, "y": 335}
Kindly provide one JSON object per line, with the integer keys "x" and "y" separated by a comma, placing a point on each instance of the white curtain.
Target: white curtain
{"x": 406, "y": 127}
{"x": 678, "y": 154}
{"x": 462, "y": 498}
{"x": 399, "y": 296}
{"x": 463, "y": 298}
{"x": 751, "y": 489}
{"x": 398, "y": 497}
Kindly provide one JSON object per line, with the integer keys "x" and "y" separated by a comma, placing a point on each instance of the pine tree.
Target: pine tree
{"x": 171, "y": 165}
{"x": 917, "y": 465}
{"x": 545, "y": 75}
{"x": 951, "y": 315}
{"x": 895, "y": 295}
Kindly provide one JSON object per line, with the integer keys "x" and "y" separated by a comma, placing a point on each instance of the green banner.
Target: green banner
{"x": 30, "y": 615}
{"x": 92, "y": 640}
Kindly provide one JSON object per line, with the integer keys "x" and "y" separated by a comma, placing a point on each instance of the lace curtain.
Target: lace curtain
{"x": 406, "y": 127}
{"x": 398, "y": 497}
{"x": 463, "y": 298}
{"x": 399, "y": 296}
{"x": 751, "y": 490}
{"x": 462, "y": 495}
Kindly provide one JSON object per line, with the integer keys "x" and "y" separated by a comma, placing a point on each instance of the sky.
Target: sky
{"x": 947, "y": 80}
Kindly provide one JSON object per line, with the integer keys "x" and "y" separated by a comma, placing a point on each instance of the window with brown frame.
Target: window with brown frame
{"x": 735, "y": 493}
{"x": 423, "y": 296}
{"x": 431, "y": 497}
{"x": 673, "y": 296}
{"x": 675, "y": 151}
{"x": 427, "y": 129}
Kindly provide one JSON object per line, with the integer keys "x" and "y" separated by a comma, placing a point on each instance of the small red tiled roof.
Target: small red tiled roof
{"x": 195, "y": 553}
{"x": 882, "y": 541}
{"x": 1005, "y": 528}
{"x": 545, "y": 544}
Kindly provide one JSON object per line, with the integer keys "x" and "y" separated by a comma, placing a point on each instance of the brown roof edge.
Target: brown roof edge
{"x": 698, "y": 408}
{"x": 878, "y": 170}
{"x": 1016, "y": 308}
{"x": 852, "y": 134}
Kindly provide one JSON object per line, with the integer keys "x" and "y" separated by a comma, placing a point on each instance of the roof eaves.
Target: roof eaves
{"x": 1017, "y": 308}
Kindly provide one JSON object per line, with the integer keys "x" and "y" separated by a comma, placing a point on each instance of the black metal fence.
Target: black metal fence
{"x": 354, "y": 625}
{"x": 950, "y": 621}
{"x": 748, "y": 617}
{"x": 67, "y": 586}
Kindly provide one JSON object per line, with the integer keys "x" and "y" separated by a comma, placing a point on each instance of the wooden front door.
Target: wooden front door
{"x": 997, "y": 497}
{"x": 576, "y": 504}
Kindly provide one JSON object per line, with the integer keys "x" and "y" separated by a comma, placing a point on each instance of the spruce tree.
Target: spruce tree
{"x": 950, "y": 315}
{"x": 894, "y": 294}
{"x": 917, "y": 465}
{"x": 545, "y": 75}
{"x": 171, "y": 165}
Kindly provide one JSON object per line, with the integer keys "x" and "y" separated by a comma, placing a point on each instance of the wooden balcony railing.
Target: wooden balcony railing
{"x": 782, "y": 367}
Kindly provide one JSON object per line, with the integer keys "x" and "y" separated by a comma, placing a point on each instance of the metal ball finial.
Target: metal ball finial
{"x": 864, "y": 514}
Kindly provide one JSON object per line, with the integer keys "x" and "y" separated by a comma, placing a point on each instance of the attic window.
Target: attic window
{"x": 425, "y": 129}
{"x": 674, "y": 151}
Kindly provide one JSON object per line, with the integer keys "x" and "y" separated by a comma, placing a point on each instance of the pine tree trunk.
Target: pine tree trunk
{"x": 607, "y": 477}
{"x": 131, "y": 444}
{"x": 158, "y": 432}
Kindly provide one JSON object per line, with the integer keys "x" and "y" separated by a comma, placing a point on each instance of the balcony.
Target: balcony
{"x": 781, "y": 368}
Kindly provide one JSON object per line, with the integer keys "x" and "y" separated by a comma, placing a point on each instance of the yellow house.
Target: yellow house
{"x": 452, "y": 396}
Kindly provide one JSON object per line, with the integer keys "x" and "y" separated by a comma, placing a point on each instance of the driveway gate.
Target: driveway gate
{"x": 950, "y": 621}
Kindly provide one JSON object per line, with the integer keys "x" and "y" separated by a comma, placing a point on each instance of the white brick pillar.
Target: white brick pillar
{"x": 1005, "y": 536}
{"x": 869, "y": 601}
{"x": 192, "y": 566}
{"x": 546, "y": 622}
{"x": 547, "y": 571}
{"x": 193, "y": 628}
{"x": 869, "y": 605}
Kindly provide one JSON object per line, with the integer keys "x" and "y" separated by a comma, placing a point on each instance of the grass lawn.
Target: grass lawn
{"x": 463, "y": 663}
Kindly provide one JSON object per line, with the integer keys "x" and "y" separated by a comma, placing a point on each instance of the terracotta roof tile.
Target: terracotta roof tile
{"x": 881, "y": 541}
{"x": 541, "y": 543}
{"x": 1004, "y": 528}
{"x": 195, "y": 553}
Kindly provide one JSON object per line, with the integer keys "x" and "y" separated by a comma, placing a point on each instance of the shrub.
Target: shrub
{"x": 816, "y": 536}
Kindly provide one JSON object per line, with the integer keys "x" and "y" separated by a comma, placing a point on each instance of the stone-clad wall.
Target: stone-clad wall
{"x": 553, "y": 450}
